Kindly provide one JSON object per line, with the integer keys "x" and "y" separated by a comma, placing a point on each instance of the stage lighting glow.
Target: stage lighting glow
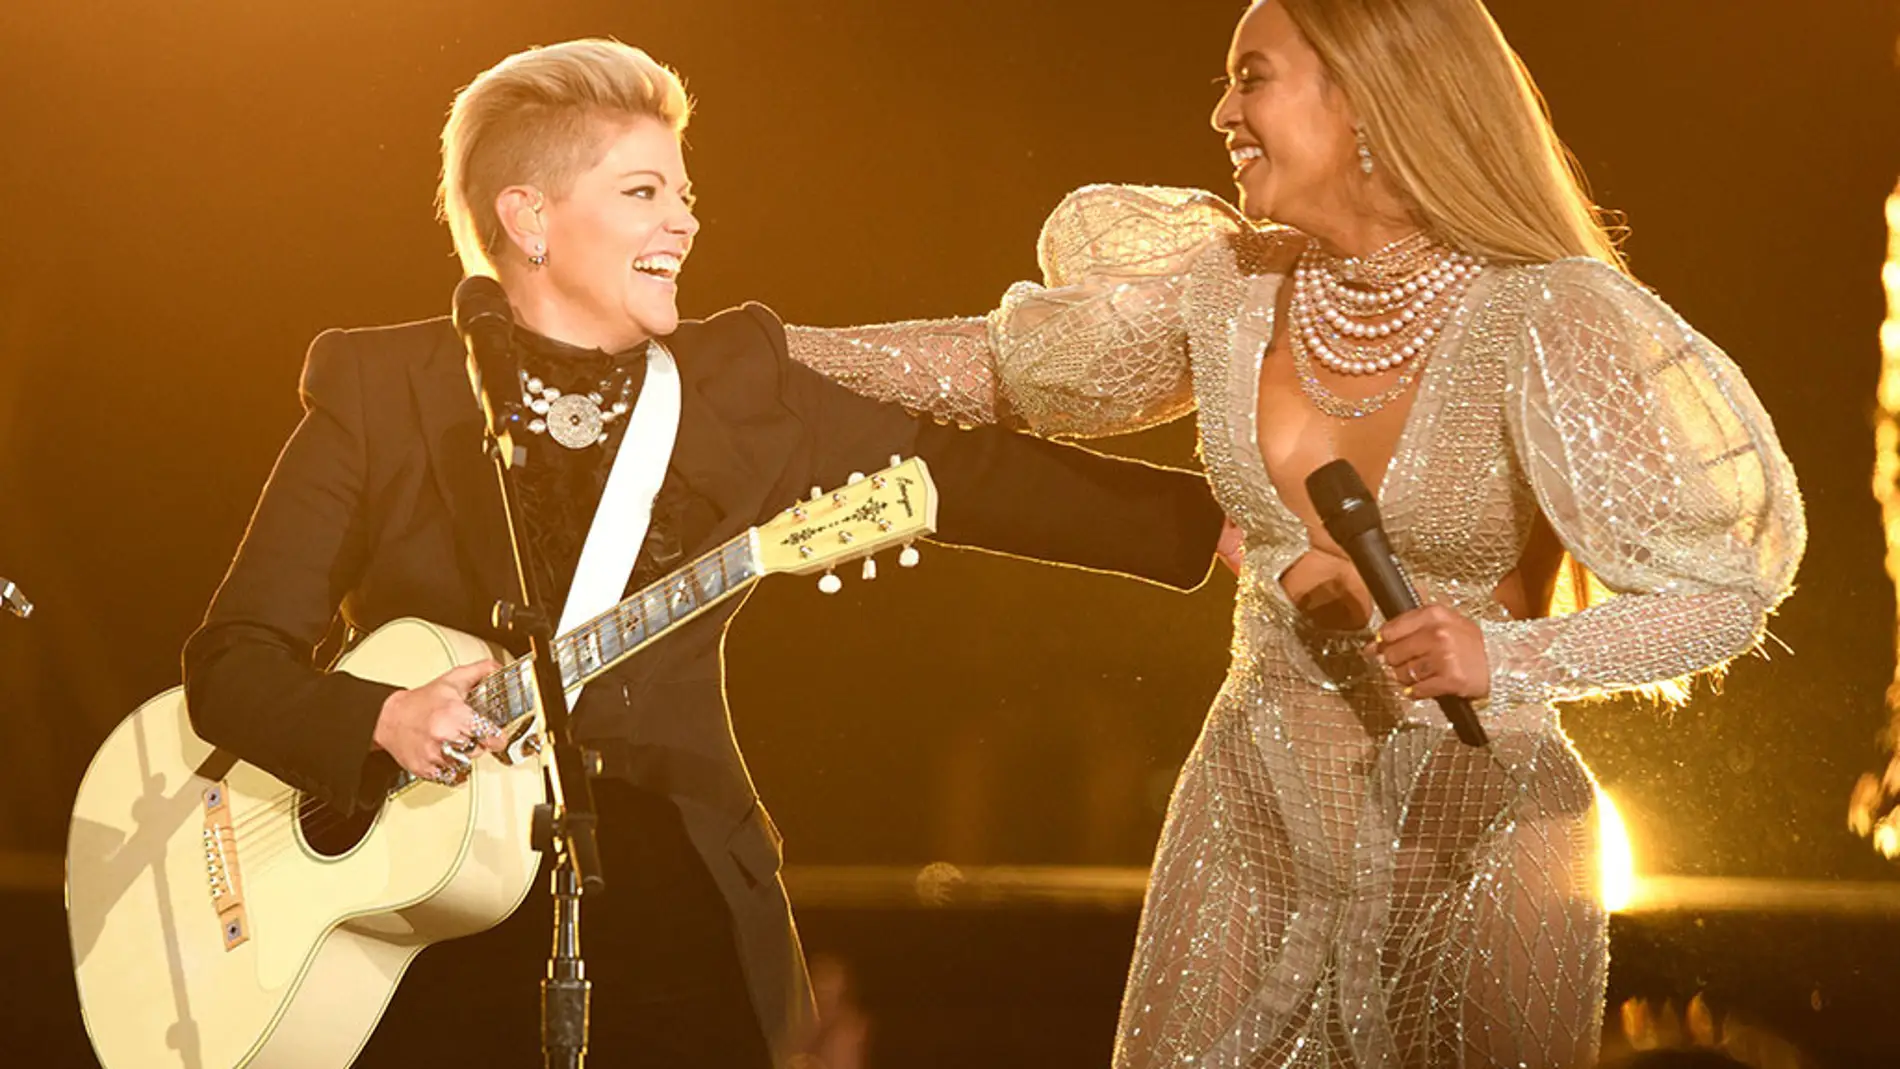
{"x": 1870, "y": 811}
{"x": 1617, "y": 860}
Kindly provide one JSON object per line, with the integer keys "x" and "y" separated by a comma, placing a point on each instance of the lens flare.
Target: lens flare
{"x": 1617, "y": 859}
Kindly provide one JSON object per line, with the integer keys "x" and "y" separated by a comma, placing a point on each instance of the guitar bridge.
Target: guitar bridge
{"x": 221, "y": 868}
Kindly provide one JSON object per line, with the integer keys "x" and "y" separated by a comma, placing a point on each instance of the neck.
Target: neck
{"x": 1356, "y": 219}
{"x": 1358, "y": 238}
{"x": 541, "y": 308}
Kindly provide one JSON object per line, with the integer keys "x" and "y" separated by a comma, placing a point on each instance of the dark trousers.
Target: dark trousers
{"x": 668, "y": 989}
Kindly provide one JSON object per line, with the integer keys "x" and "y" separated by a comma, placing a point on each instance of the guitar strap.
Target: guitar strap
{"x": 620, "y": 523}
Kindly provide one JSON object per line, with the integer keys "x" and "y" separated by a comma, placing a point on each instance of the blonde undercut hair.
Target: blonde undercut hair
{"x": 1452, "y": 114}
{"x": 539, "y": 118}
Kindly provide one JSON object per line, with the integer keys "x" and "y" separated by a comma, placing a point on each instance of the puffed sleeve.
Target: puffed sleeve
{"x": 1658, "y": 468}
{"x": 1098, "y": 348}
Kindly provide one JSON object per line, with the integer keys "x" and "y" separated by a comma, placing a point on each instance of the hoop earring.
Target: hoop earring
{"x": 1365, "y": 149}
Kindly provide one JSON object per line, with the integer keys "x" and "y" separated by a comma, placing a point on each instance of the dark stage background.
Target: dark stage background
{"x": 191, "y": 191}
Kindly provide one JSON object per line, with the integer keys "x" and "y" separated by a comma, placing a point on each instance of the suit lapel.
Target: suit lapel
{"x": 732, "y": 447}
{"x": 452, "y": 428}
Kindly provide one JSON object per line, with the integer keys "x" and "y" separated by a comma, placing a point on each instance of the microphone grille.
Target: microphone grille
{"x": 1344, "y": 504}
{"x": 479, "y": 298}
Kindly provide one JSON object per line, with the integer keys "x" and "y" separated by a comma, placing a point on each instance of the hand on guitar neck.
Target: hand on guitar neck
{"x": 432, "y": 731}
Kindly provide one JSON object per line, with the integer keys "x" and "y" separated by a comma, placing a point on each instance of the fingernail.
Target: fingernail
{"x": 1407, "y": 691}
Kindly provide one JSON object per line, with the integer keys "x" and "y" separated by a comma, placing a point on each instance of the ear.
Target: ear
{"x": 518, "y": 208}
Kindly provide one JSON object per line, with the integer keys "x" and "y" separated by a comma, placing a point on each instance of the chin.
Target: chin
{"x": 655, "y": 321}
{"x": 1256, "y": 203}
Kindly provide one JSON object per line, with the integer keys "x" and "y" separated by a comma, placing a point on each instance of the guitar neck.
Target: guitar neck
{"x": 604, "y": 641}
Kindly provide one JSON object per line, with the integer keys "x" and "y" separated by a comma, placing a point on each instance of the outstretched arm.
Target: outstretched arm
{"x": 1099, "y": 348}
{"x": 1015, "y": 494}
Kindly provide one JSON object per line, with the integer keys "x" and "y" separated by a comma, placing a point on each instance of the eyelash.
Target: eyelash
{"x": 690, "y": 199}
{"x": 1242, "y": 82}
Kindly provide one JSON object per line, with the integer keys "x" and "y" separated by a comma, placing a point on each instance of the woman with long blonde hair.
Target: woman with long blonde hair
{"x": 1414, "y": 283}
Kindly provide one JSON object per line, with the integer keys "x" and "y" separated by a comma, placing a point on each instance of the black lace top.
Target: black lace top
{"x": 559, "y": 488}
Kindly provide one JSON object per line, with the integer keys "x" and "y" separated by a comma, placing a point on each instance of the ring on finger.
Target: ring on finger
{"x": 484, "y": 728}
{"x": 458, "y": 749}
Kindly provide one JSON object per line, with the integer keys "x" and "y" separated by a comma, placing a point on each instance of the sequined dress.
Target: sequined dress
{"x": 1339, "y": 881}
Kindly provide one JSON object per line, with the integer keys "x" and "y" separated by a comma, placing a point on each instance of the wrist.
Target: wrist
{"x": 385, "y": 717}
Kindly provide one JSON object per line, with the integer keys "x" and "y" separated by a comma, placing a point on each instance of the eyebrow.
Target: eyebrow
{"x": 1247, "y": 57}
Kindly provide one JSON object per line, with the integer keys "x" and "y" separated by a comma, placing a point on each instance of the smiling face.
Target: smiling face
{"x": 614, "y": 242}
{"x": 1289, "y": 130}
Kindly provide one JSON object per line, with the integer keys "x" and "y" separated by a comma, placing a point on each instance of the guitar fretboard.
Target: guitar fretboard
{"x": 605, "y": 640}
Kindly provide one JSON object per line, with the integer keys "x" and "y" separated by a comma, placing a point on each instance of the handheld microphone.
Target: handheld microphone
{"x": 486, "y": 323}
{"x": 1351, "y": 517}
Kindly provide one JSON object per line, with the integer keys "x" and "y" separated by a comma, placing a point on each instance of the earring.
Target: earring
{"x": 539, "y": 257}
{"x": 1365, "y": 149}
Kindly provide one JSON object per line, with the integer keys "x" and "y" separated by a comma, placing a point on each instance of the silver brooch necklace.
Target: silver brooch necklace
{"x": 575, "y": 420}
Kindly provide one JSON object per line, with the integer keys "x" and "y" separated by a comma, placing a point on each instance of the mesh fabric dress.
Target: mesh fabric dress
{"x": 1340, "y": 882}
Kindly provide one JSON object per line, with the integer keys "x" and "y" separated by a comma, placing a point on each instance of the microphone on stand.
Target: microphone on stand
{"x": 565, "y": 829}
{"x": 486, "y": 323}
{"x": 14, "y": 600}
{"x": 1352, "y": 519}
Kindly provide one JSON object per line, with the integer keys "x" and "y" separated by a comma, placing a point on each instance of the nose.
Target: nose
{"x": 1226, "y": 117}
{"x": 685, "y": 223}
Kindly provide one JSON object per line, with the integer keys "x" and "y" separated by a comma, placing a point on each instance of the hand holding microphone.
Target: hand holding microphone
{"x": 1435, "y": 652}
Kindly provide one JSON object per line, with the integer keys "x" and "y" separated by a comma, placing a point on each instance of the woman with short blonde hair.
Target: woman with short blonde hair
{"x": 1415, "y": 284}
{"x": 535, "y": 118}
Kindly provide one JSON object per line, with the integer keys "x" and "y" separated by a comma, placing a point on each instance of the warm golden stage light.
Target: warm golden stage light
{"x": 1617, "y": 859}
{"x": 1869, "y": 811}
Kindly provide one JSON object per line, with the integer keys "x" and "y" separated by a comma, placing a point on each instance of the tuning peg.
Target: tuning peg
{"x": 829, "y": 583}
{"x": 855, "y": 477}
{"x": 896, "y": 460}
{"x": 870, "y": 569}
{"x": 908, "y": 557}
{"x": 817, "y": 492}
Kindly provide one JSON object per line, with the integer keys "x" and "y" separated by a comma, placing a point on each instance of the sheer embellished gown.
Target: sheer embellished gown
{"x": 1340, "y": 881}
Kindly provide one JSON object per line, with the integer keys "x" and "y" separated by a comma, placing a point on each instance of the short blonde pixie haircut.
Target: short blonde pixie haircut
{"x": 537, "y": 118}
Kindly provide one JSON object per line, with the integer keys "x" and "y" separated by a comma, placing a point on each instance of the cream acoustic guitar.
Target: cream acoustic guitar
{"x": 220, "y": 918}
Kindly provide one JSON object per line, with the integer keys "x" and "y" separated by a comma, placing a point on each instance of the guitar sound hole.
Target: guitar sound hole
{"x": 329, "y": 832}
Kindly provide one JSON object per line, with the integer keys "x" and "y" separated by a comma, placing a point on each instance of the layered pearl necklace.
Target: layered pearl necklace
{"x": 1373, "y": 314}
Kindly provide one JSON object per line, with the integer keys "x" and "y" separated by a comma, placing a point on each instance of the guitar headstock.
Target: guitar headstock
{"x": 856, "y": 520}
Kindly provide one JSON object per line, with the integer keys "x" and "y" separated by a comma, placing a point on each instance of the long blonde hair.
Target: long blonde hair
{"x": 536, "y": 118}
{"x": 1452, "y": 114}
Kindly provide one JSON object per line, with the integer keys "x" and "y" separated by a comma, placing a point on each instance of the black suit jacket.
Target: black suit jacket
{"x": 383, "y": 506}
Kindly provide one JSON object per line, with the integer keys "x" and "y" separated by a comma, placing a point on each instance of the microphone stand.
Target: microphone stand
{"x": 564, "y": 828}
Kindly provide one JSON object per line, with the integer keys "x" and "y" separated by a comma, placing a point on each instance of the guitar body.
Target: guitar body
{"x": 214, "y": 928}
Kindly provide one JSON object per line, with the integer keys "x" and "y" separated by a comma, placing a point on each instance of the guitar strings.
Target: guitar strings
{"x": 265, "y": 836}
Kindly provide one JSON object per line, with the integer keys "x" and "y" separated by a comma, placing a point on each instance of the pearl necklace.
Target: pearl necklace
{"x": 1369, "y": 315}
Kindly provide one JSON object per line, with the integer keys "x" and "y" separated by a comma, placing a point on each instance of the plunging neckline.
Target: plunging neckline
{"x": 1261, "y": 294}
{"x": 1408, "y": 427}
